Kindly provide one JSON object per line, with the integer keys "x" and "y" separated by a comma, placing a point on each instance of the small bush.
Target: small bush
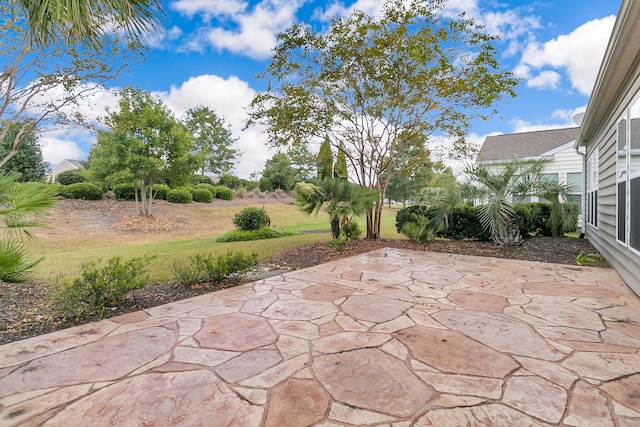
{"x": 72, "y": 176}
{"x": 160, "y": 191}
{"x": 351, "y": 230}
{"x": 82, "y": 190}
{"x": 100, "y": 286}
{"x": 125, "y": 191}
{"x": 214, "y": 268}
{"x": 248, "y": 235}
{"x": 57, "y": 188}
{"x": 420, "y": 230}
{"x": 179, "y": 195}
{"x": 223, "y": 193}
{"x": 209, "y": 187}
{"x": 265, "y": 184}
{"x": 339, "y": 244}
{"x": 201, "y": 179}
{"x": 251, "y": 219}
{"x": 14, "y": 261}
{"x": 202, "y": 195}
{"x": 229, "y": 181}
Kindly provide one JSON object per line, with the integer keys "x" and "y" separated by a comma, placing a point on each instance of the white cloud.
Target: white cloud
{"x": 338, "y": 8}
{"x": 545, "y": 80}
{"x": 579, "y": 53}
{"x": 229, "y": 99}
{"x": 56, "y": 148}
{"x": 250, "y": 32}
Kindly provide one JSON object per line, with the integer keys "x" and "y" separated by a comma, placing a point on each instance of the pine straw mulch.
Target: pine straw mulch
{"x": 25, "y": 309}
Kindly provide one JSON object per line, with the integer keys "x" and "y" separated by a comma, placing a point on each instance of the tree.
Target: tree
{"x": 406, "y": 187}
{"x": 83, "y": 20}
{"x": 303, "y": 161}
{"x": 374, "y": 83}
{"x": 144, "y": 144}
{"x": 341, "y": 199}
{"x": 340, "y": 167}
{"x": 43, "y": 85}
{"x": 212, "y": 140}
{"x": 279, "y": 173}
{"x": 324, "y": 161}
{"x": 22, "y": 206}
{"x": 28, "y": 160}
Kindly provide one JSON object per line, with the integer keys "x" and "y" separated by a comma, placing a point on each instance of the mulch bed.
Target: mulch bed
{"x": 25, "y": 310}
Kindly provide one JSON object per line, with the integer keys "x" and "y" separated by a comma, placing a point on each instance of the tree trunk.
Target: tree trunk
{"x": 370, "y": 231}
{"x": 335, "y": 227}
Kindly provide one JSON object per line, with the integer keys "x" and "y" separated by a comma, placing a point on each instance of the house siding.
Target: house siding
{"x": 623, "y": 259}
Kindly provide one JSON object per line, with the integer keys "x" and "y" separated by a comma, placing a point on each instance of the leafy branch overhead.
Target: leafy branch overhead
{"x": 378, "y": 84}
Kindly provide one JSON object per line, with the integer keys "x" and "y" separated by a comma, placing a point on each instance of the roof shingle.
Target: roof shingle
{"x": 525, "y": 144}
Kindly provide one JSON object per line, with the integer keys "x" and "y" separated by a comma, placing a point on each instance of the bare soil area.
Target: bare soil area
{"x": 25, "y": 310}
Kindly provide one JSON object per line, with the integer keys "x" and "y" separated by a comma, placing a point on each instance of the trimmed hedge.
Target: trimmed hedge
{"x": 209, "y": 187}
{"x": 82, "y": 190}
{"x": 223, "y": 192}
{"x": 72, "y": 176}
{"x": 160, "y": 191}
{"x": 125, "y": 191}
{"x": 179, "y": 195}
{"x": 202, "y": 195}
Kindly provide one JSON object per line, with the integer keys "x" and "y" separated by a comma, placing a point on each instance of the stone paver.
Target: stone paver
{"x": 393, "y": 337}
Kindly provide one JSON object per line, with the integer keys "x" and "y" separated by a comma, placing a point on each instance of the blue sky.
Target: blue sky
{"x": 211, "y": 51}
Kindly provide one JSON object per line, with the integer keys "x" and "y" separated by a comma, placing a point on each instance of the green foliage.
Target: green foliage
{"x": 230, "y": 181}
{"x": 351, "y": 230}
{"x": 144, "y": 143}
{"x": 280, "y": 171}
{"x": 179, "y": 195}
{"x": 202, "y": 195}
{"x": 420, "y": 230}
{"x": 265, "y": 184}
{"x": 340, "y": 167}
{"x": 324, "y": 161}
{"x": 82, "y": 190}
{"x": 223, "y": 192}
{"x": 212, "y": 140}
{"x": 214, "y": 268}
{"x": 100, "y": 286}
{"x": 160, "y": 191}
{"x": 338, "y": 243}
{"x": 248, "y": 235}
{"x": 14, "y": 261}
{"x": 72, "y": 176}
{"x": 590, "y": 260}
{"x": 27, "y": 161}
{"x": 202, "y": 179}
{"x": 126, "y": 191}
{"x": 209, "y": 187}
{"x": 251, "y": 218}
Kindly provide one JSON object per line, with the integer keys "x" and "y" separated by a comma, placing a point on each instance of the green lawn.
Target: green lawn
{"x": 65, "y": 258}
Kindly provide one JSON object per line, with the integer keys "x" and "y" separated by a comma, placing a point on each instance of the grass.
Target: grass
{"x": 64, "y": 256}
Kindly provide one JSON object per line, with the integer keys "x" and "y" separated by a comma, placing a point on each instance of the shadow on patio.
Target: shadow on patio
{"x": 391, "y": 337}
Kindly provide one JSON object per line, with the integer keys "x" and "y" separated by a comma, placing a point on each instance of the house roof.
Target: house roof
{"x": 77, "y": 163}
{"x": 525, "y": 144}
{"x": 623, "y": 51}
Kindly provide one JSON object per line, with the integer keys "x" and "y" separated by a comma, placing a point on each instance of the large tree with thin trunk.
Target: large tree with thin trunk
{"x": 376, "y": 83}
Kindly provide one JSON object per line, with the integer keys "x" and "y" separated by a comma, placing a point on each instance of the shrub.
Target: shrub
{"x": 100, "y": 286}
{"x": 339, "y": 244}
{"x": 351, "y": 230}
{"x": 202, "y": 195}
{"x": 72, "y": 176}
{"x": 57, "y": 188}
{"x": 420, "y": 230}
{"x": 179, "y": 195}
{"x": 126, "y": 191}
{"x": 229, "y": 181}
{"x": 223, "y": 193}
{"x": 405, "y": 215}
{"x": 211, "y": 188}
{"x": 201, "y": 179}
{"x": 463, "y": 224}
{"x": 251, "y": 218}
{"x": 214, "y": 268}
{"x": 265, "y": 184}
{"x": 247, "y": 235}
{"x": 82, "y": 190}
{"x": 160, "y": 191}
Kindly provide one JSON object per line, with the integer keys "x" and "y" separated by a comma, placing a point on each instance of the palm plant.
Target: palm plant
{"x": 563, "y": 217}
{"x": 499, "y": 190}
{"x": 22, "y": 206}
{"x": 341, "y": 199}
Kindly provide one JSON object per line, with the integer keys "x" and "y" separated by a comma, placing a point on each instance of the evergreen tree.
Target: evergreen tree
{"x": 324, "y": 161}
{"x": 28, "y": 160}
{"x": 340, "y": 167}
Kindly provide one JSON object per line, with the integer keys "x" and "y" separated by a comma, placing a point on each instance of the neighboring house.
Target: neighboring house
{"x": 63, "y": 166}
{"x": 610, "y": 131}
{"x": 556, "y": 146}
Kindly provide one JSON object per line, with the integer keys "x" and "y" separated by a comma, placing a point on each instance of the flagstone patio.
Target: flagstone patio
{"x": 392, "y": 337}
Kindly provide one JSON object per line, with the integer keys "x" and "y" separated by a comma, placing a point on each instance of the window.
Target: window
{"x": 621, "y": 179}
{"x": 628, "y": 177}
{"x": 574, "y": 181}
{"x": 592, "y": 188}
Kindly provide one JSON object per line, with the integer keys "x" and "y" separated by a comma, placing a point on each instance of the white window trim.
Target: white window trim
{"x": 622, "y": 177}
{"x": 593, "y": 176}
